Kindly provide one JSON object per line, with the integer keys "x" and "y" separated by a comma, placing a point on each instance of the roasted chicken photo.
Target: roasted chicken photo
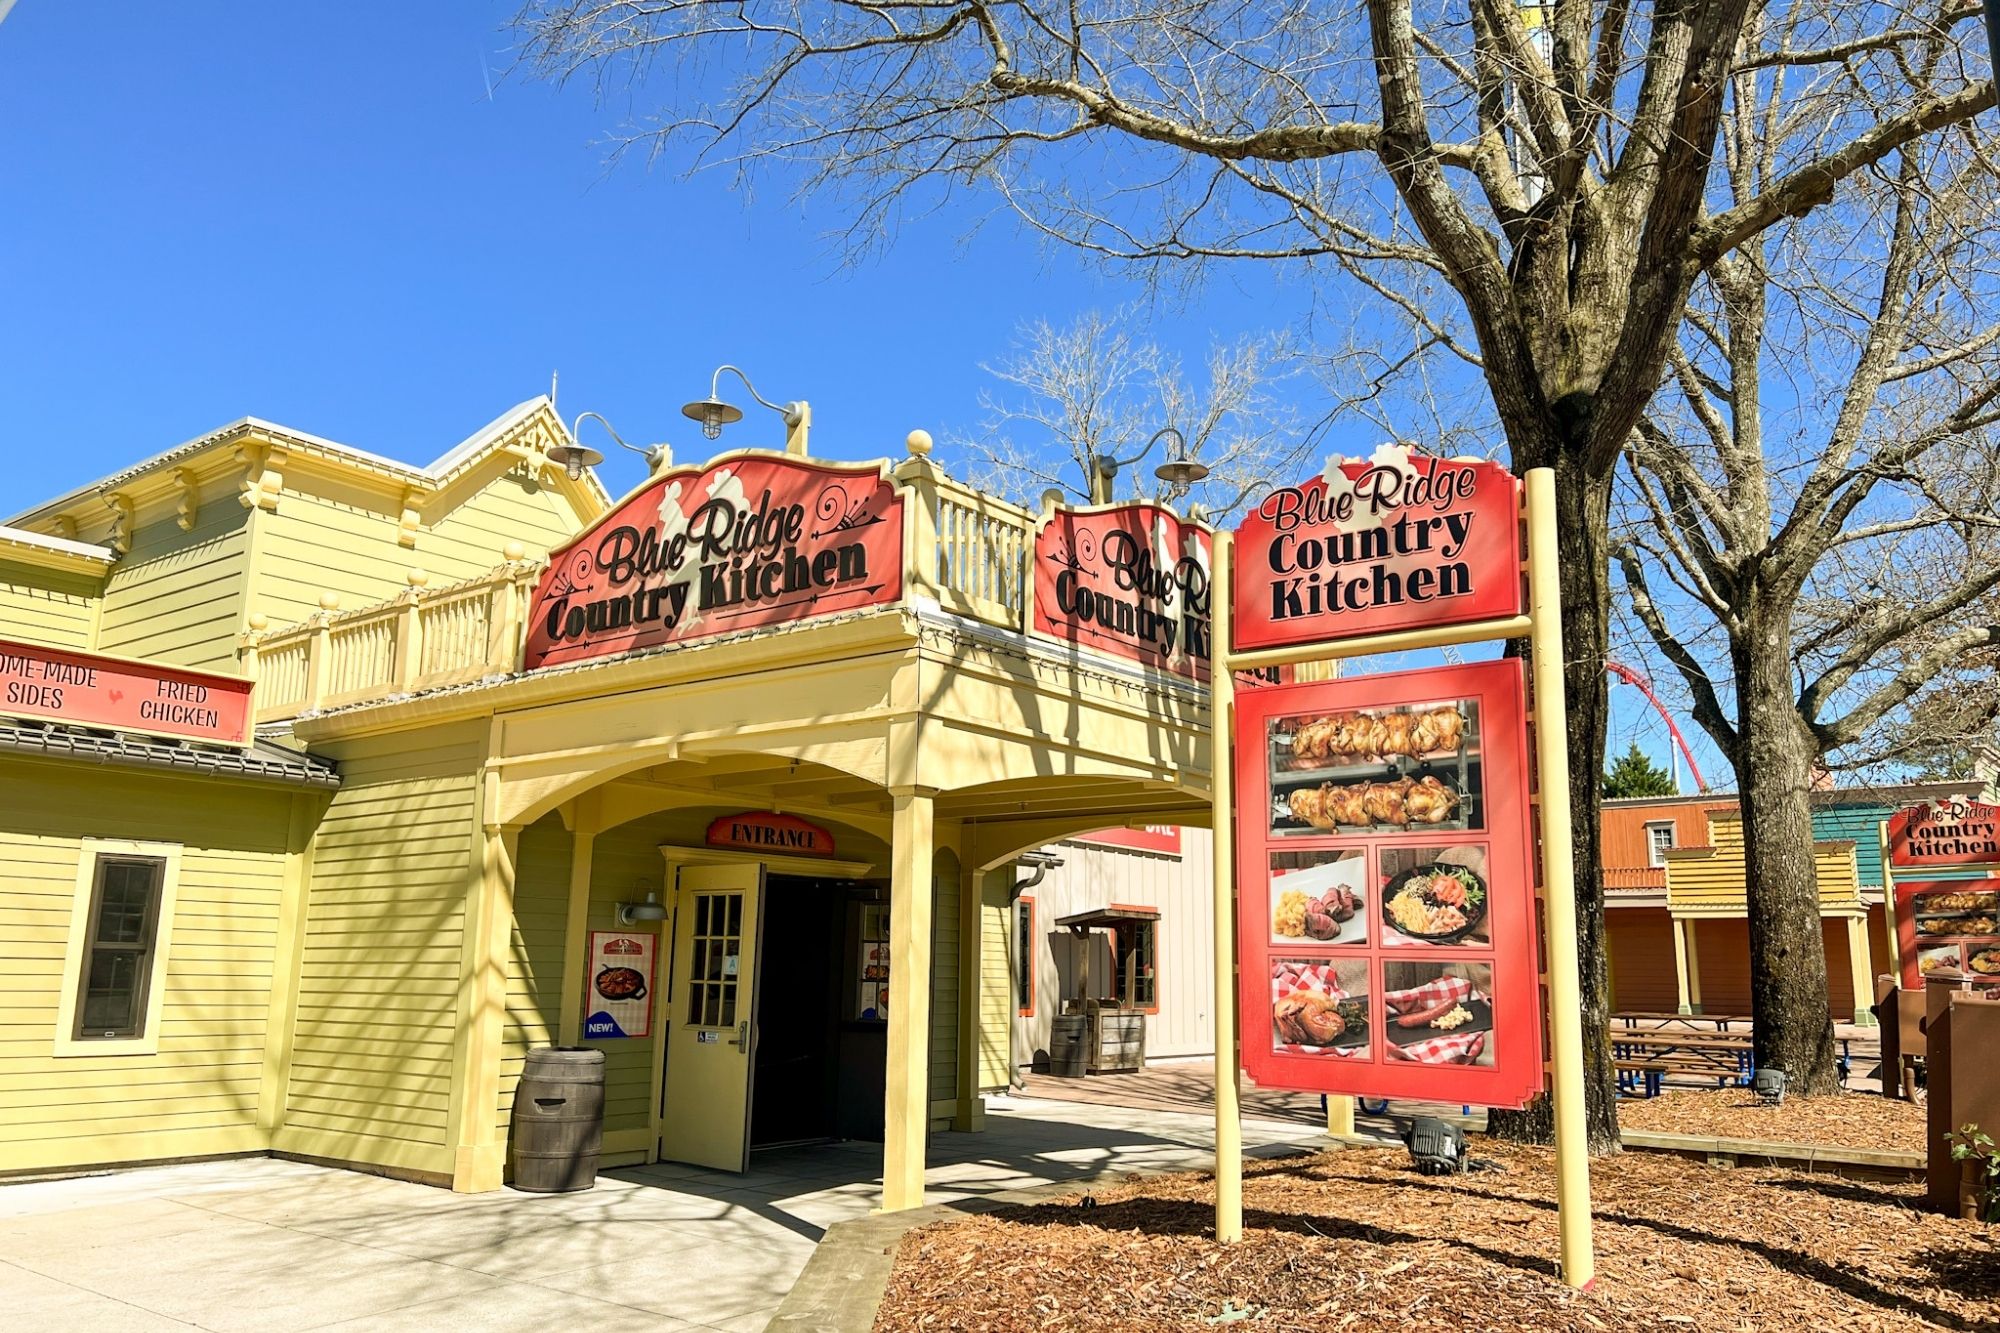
{"x": 1308, "y": 1018}
{"x": 1404, "y": 801}
{"x": 1358, "y": 737}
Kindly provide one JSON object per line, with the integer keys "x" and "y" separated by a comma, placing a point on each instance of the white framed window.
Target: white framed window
{"x": 1659, "y": 841}
{"x": 115, "y": 965}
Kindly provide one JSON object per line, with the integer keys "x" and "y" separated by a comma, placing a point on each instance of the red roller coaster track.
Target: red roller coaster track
{"x": 1631, "y": 677}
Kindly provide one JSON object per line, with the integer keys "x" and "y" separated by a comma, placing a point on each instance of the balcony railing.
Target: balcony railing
{"x": 970, "y": 552}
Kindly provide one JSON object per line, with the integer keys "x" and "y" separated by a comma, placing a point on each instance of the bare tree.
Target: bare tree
{"x": 1555, "y": 178}
{"x": 1095, "y": 392}
{"x": 1821, "y": 484}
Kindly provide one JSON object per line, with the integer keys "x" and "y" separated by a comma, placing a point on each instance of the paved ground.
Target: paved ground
{"x": 259, "y": 1245}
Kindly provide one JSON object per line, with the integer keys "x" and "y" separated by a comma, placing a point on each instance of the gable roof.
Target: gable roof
{"x": 434, "y": 476}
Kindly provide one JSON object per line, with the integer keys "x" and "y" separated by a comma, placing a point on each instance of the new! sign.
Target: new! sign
{"x": 93, "y": 691}
{"x": 1130, "y": 580}
{"x": 1948, "y": 832}
{"x": 767, "y": 831}
{"x": 1401, "y": 541}
{"x": 746, "y": 541}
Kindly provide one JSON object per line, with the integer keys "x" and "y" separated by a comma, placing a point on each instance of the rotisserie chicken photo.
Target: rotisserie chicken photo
{"x": 1403, "y": 802}
{"x": 1355, "y": 737}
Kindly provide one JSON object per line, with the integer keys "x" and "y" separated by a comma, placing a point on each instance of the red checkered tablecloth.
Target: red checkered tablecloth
{"x": 1289, "y": 977}
{"x": 1447, "y": 1048}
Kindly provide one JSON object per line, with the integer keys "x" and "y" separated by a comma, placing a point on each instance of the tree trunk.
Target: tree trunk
{"x": 1583, "y": 539}
{"x": 1788, "y": 1000}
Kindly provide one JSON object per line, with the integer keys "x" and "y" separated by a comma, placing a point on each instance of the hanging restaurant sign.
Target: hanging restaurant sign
{"x": 1400, "y": 541}
{"x": 749, "y": 540}
{"x": 1130, "y": 580}
{"x": 1948, "y": 832}
{"x": 87, "y": 690}
{"x": 1386, "y": 904}
{"x": 767, "y": 831}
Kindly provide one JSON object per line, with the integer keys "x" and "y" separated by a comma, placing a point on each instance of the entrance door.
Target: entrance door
{"x": 712, "y": 1027}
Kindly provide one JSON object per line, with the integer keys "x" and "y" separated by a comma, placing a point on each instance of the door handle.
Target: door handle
{"x": 742, "y": 1039}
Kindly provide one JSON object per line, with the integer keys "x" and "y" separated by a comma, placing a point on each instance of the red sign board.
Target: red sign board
{"x": 1948, "y": 928}
{"x": 1398, "y": 542}
{"x": 1165, "y": 838}
{"x": 92, "y": 691}
{"x": 1130, "y": 580}
{"x": 1948, "y": 832}
{"x": 746, "y": 541}
{"x": 1385, "y": 894}
{"x": 766, "y": 831}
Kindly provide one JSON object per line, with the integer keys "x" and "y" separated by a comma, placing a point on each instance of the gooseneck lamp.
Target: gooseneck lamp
{"x": 656, "y": 455}
{"x": 713, "y": 413}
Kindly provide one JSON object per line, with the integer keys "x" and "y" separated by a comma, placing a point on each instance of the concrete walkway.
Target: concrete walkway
{"x": 257, "y": 1244}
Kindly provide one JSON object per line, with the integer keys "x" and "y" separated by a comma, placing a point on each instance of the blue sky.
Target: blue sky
{"x": 349, "y": 219}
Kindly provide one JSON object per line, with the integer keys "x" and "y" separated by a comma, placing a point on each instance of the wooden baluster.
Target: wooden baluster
{"x": 407, "y": 653}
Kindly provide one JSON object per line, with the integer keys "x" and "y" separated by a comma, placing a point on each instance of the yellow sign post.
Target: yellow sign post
{"x": 1543, "y": 627}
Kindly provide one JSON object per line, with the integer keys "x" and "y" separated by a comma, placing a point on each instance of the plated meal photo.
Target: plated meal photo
{"x": 1944, "y": 961}
{"x": 1319, "y": 897}
{"x": 1438, "y": 1014}
{"x": 1319, "y": 1007}
{"x": 1434, "y": 896}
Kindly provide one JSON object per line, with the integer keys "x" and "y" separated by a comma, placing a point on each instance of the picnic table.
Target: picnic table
{"x": 1632, "y": 1018}
{"x": 1643, "y": 1057}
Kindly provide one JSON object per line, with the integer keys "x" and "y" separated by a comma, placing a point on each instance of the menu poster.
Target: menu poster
{"x": 1386, "y": 912}
{"x": 1948, "y": 928}
{"x": 618, "y": 984}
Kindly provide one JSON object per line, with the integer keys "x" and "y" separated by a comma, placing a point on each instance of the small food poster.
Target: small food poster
{"x": 1948, "y": 929}
{"x": 1386, "y": 902}
{"x": 618, "y": 984}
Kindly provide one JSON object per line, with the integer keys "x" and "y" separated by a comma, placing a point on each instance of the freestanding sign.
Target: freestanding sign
{"x": 618, "y": 1001}
{"x": 1130, "y": 580}
{"x": 1398, "y": 542}
{"x": 93, "y": 691}
{"x": 749, "y": 540}
{"x": 1385, "y": 887}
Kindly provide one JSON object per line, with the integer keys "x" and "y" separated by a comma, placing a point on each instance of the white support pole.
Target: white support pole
{"x": 1559, "y": 880}
{"x": 1222, "y": 784}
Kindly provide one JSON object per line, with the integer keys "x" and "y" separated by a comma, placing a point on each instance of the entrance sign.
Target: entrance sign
{"x": 1385, "y": 887}
{"x": 92, "y": 691}
{"x": 1948, "y": 832}
{"x": 1399, "y": 542}
{"x": 766, "y": 831}
{"x": 1131, "y": 580}
{"x": 746, "y": 541}
{"x": 619, "y": 981}
{"x": 1948, "y": 928}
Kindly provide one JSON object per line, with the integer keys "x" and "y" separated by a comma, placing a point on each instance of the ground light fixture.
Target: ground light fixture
{"x": 714, "y": 414}
{"x": 630, "y": 914}
{"x": 1768, "y": 1086}
{"x": 1437, "y": 1147}
{"x": 578, "y": 457}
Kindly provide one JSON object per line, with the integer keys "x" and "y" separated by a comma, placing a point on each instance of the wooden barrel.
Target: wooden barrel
{"x": 559, "y": 1120}
{"x": 1069, "y": 1045}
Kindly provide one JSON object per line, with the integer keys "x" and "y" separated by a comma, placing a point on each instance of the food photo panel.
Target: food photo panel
{"x": 1435, "y": 896}
{"x": 1438, "y": 1013}
{"x": 1320, "y": 897}
{"x": 1392, "y": 769}
{"x": 1319, "y": 1007}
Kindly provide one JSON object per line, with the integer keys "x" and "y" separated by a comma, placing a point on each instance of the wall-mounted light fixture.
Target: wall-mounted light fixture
{"x": 631, "y": 914}
{"x": 714, "y": 414}
{"x": 657, "y": 456}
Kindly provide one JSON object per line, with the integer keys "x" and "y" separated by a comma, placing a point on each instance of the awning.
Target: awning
{"x": 1104, "y": 918}
{"x": 262, "y": 762}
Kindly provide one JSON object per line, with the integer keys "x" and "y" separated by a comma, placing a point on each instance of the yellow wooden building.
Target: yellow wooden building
{"x": 360, "y": 923}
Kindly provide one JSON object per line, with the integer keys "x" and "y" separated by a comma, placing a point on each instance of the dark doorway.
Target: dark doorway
{"x": 819, "y": 1066}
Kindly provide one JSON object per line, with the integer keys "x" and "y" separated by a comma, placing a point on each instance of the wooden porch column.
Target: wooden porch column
{"x": 1693, "y": 925}
{"x": 478, "y": 1152}
{"x": 1862, "y": 970}
{"x": 906, "y": 1109}
{"x": 1681, "y": 943}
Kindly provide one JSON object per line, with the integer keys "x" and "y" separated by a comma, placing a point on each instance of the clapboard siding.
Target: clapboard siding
{"x": 325, "y": 538}
{"x": 1179, "y": 887}
{"x": 199, "y": 1093}
{"x": 370, "y": 1079}
{"x": 1641, "y": 943}
{"x": 46, "y": 606}
{"x": 996, "y": 979}
{"x": 535, "y": 972}
{"x": 178, "y": 596}
{"x": 1714, "y": 876}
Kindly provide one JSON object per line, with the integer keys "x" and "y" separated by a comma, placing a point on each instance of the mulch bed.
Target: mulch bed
{"x": 1850, "y": 1120}
{"x": 1357, "y": 1240}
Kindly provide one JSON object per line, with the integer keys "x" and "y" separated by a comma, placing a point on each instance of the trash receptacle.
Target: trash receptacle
{"x": 1069, "y": 1045}
{"x": 559, "y": 1120}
